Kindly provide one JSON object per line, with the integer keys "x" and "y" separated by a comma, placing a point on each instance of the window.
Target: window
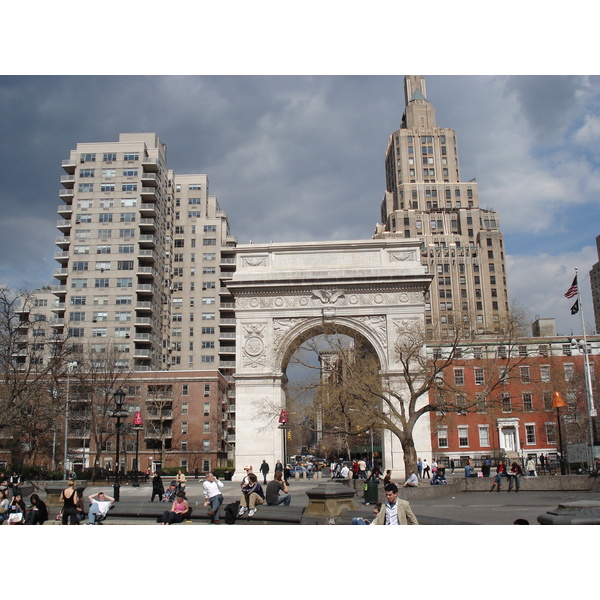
{"x": 81, "y": 250}
{"x": 547, "y": 397}
{"x": 551, "y": 433}
{"x": 208, "y": 316}
{"x": 102, "y": 266}
{"x": 125, "y": 282}
{"x": 123, "y": 300}
{"x": 206, "y": 445}
{"x": 105, "y": 218}
{"x": 130, "y": 156}
{"x": 122, "y": 331}
{"x": 184, "y": 408}
{"x": 195, "y": 201}
{"x": 127, "y": 202}
{"x": 184, "y": 427}
{"x": 208, "y": 330}
{"x": 100, "y": 316}
{"x": 77, "y": 316}
{"x": 530, "y": 434}
{"x": 126, "y": 248}
{"x": 459, "y": 376}
{"x": 85, "y": 187}
{"x": 126, "y": 233}
{"x": 78, "y": 300}
{"x": 506, "y": 403}
{"x": 129, "y": 187}
{"x": 130, "y": 172}
{"x": 99, "y": 332}
{"x": 527, "y": 402}
{"x": 208, "y": 359}
{"x": 484, "y": 435}
{"x": 442, "y": 436}
{"x": 107, "y": 187}
{"x": 127, "y": 217}
{"x": 109, "y": 156}
{"x": 125, "y": 265}
{"x": 109, "y": 173}
{"x": 123, "y": 315}
{"x": 206, "y": 409}
{"x": 76, "y": 332}
{"x": 78, "y": 284}
{"x": 104, "y": 249}
{"x": 206, "y": 427}
{"x": 209, "y": 242}
{"x": 209, "y": 256}
{"x": 86, "y": 173}
{"x": 195, "y": 186}
{"x": 479, "y": 377}
{"x": 525, "y": 374}
{"x": 569, "y": 372}
{"x": 208, "y": 345}
{"x": 463, "y": 436}
{"x": 80, "y": 266}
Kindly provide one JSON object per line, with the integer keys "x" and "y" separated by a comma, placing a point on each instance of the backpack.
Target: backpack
{"x": 231, "y": 512}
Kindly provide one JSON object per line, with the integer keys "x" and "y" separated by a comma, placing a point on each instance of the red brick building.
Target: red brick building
{"x": 517, "y": 417}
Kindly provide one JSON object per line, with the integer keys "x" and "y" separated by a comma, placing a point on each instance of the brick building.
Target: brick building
{"x": 517, "y": 418}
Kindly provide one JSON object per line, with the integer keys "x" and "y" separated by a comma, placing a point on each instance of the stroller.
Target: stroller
{"x": 169, "y": 495}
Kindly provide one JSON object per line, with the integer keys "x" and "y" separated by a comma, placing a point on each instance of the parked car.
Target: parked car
{"x": 298, "y": 469}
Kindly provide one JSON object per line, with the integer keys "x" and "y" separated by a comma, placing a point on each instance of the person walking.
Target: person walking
{"x": 69, "y": 498}
{"x": 426, "y": 469}
{"x": 531, "y": 468}
{"x": 157, "y": 487}
{"x": 420, "y": 468}
{"x": 264, "y": 469}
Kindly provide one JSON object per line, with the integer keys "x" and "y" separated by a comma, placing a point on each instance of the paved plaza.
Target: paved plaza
{"x": 463, "y": 508}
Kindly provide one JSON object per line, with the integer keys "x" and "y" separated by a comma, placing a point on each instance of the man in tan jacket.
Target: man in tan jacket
{"x": 395, "y": 511}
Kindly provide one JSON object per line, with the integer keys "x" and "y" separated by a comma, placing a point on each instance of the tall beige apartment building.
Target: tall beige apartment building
{"x": 595, "y": 284}
{"x": 143, "y": 254}
{"x": 425, "y": 198}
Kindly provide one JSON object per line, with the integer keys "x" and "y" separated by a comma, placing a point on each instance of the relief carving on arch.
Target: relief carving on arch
{"x": 376, "y": 324}
{"x": 254, "y": 350}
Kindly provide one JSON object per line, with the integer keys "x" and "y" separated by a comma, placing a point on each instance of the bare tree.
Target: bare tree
{"x": 33, "y": 359}
{"x": 361, "y": 398}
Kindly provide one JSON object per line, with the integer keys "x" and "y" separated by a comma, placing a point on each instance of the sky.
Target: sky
{"x": 298, "y": 158}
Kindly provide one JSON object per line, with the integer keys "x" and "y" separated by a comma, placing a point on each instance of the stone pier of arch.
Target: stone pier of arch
{"x": 285, "y": 292}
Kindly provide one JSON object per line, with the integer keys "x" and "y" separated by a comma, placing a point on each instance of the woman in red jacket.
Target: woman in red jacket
{"x": 500, "y": 472}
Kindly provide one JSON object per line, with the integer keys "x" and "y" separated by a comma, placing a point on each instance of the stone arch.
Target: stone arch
{"x": 307, "y": 328}
{"x": 285, "y": 292}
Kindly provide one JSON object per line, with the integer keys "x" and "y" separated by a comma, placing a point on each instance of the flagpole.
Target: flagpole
{"x": 588, "y": 381}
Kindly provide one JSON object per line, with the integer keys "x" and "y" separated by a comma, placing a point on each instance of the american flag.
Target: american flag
{"x": 572, "y": 291}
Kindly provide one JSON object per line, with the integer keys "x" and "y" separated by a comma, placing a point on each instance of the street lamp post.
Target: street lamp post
{"x": 70, "y": 367}
{"x": 118, "y": 414}
{"x": 137, "y": 426}
{"x": 558, "y": 403}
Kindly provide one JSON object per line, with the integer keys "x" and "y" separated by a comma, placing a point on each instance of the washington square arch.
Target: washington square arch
{"x": 285, "y": 293}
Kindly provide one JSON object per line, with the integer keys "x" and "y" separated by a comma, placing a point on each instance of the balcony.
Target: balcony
{"x": 149, "y": 193}
{"x": 143, "y": 322}
{"x": 61, "y": 273}
{"x": 59, "y": 290}
{"x": 65, "y": 210}
{"x": 57, "y": 323}
{"x": 150, "y": 179}
{"x": 145, "y": 288}
{"x": 68, "y": 181}
{"x": 58, "y": 307}
{"x": 226, "y": 349}
{"x": 69, "y": 165}
{"x": 227, "y": 364}
{"x": 61, "y": 257}
{"x": 167, "y": 432}
{"x": 66, "y": 195}
{"x": 147, "y": 240}
{"x": 147, "y": 255}
{"x": 147, "y": 209}
{"x": 147, "y": 225}
{"x": 144, "y": 306}
{"x": 150, "y": 164}
{"x": 139, "y": 353}
{"x": 64, "y": 225}
{"x": 62, "y": 242}
{"x": 142, "y": 337}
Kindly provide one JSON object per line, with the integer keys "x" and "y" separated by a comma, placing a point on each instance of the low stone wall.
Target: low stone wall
{"x": 551, "y": 483}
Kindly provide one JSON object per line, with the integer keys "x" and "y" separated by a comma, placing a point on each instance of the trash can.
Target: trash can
{"x": 371, "y": 493}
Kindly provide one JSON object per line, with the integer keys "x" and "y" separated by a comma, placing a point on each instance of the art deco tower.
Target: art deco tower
{"x": 425, "y": 198}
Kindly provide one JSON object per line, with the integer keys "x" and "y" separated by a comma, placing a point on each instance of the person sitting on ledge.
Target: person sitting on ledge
{"x": 412, "y": 481}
